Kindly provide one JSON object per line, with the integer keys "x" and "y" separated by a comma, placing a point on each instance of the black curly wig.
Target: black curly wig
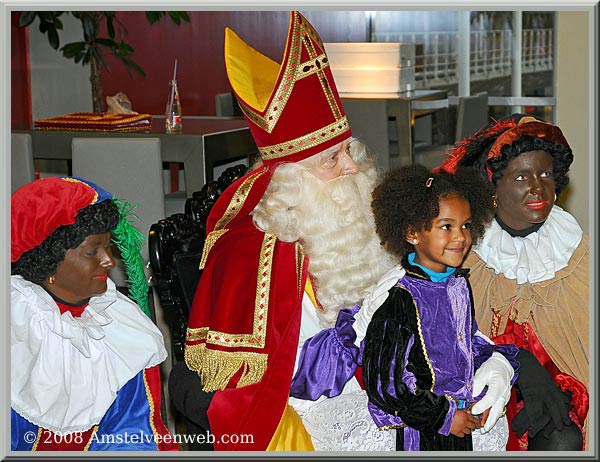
{"x": 402, "y": 203}
{"x": 562, "y": 158}
{"x": 479, "y": 145}
{"x": 40, "y": 262}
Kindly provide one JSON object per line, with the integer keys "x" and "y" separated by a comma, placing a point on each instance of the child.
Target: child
{"x": 420, "y": 349}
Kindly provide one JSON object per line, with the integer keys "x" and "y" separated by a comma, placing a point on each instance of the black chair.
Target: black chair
{"x": 226, "y": 105}
{"x": 175, "y": 249}
{"x": 472, "y": 114}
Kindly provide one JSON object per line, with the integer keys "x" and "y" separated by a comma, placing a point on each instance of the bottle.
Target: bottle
{"x": 173, "y": 123}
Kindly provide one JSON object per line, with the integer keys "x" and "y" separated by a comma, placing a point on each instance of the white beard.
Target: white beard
{"x": 334, "y": 223}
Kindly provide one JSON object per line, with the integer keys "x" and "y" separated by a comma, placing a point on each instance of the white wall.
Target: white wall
{"x": 573, "y": 106}
{"x": 58, "y": 85}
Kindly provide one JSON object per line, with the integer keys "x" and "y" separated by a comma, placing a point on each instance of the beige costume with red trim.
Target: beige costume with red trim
{"x": 553, "y": 312}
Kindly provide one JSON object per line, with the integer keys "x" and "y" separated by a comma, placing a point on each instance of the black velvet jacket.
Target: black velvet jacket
{"x": 387, "y": 343}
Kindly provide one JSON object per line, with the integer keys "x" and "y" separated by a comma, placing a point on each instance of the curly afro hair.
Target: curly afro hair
{"x": 40, "y": 262}
{"x": 562, "y": 158}
{"x": 402, "y": 203}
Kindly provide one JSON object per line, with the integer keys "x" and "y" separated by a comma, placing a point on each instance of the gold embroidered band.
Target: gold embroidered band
{"x": 256, "y": 339}
{"x": 193, "y": 335}
{"x": 233, "y": 208}
{"x": 238, "y": 200}
{"x": 304, "y": 142}
{"x": 282, "y": 94}
{"x": 212, "y": 237}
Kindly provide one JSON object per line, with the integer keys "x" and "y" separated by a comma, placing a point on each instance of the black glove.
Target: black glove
{"x": 543, "y": 400}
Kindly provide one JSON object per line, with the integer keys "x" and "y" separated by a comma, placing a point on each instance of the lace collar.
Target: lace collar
{"x": 536, "y": 257}
{"x": 70, "y": 369}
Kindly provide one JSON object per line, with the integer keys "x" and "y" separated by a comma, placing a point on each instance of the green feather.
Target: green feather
{"x": 129, "y": 242}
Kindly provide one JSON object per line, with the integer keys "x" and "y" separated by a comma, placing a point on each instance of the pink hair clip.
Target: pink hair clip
{"x": 428, "y": 182}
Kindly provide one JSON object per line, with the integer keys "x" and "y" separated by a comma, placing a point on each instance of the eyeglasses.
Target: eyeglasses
{"x": 330, "y": 158}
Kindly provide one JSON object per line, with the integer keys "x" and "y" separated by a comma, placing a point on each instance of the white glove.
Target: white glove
{"x": 496, "y": 373}
{"x": 374, "y": 300}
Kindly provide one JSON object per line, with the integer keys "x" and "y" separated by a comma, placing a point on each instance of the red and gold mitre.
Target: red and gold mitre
{"x": 293, "y": 109}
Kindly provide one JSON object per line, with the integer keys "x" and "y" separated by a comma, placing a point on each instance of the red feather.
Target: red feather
{"x": 461, "y": 148}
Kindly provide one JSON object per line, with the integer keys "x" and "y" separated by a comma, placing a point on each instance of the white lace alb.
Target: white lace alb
{"x": 494, "y": 440}
{"x": 343, "y": 423}
{"x": 70, "y": 369}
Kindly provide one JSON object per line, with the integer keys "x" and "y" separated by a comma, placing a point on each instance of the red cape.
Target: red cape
{"x": 244, "y": 325}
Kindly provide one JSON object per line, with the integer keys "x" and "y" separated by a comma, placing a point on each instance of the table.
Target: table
{"x": 369, "y": 114}
{"x": 204, "y": 142}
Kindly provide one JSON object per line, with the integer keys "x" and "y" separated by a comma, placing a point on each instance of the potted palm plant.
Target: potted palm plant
{"x": 103, "y": 35}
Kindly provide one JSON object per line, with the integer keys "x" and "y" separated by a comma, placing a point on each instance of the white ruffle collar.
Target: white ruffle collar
{"x": 536, "y": 257}
{"x": 66, "y": 371}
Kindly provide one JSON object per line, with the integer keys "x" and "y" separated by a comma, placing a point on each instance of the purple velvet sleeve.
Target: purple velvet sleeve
{"x": 327, "y": 360}
{"x": 447, "y": 426}
{"x": 382, "y": 418}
